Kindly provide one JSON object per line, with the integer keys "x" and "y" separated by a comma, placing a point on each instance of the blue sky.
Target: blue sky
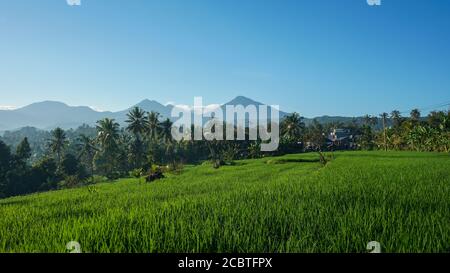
{"x": 315, "y": 57}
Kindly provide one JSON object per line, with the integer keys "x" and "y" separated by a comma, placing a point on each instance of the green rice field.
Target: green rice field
{"x": 283, "y": 204}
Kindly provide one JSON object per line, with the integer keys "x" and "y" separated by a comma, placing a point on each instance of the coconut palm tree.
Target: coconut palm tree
{"x": 153, "y": 125}
{"x": 166, "y": 131}
{"x": 58, "y": 143}
{"x": 87, "y": 150}
{"x": 137, "y": 122}
{"x": 108, "y": 133}
{"x": 396, "y": 118}
{"x": 384, "y": 119}
{"x": 108, "y": 137}
{"x": 137, "y": 125}
{"x": 292, "y": 127}
{"x": 415, "y": 116}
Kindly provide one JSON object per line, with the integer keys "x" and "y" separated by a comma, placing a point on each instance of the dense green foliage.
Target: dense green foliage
{"x": 114, "y": 152}
{"x": 282, "y": 204}
{"x": 38, "y": 139}
{"x": 414, "y": 133}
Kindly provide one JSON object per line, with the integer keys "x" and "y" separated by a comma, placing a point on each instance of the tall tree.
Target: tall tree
{"x": 137, "y": 122}
{"x": 396, "y": 119}
{"x": 316, "y": 137}
{"x": 435, "y": 118}
{"x": 370, "y": 121}
{"x": 5, "y": 166}
{"x": 23, "y": 150}
{"x": 166, "y": 131}
{"x": 137, "y": 125}
{"x": 154, "y": 126}
{"x": 58, "y": 143}
{"x": 292, "y": 127}
{"x": 415, "y": 116}
{"x": 108, "y": 133}
{"x": 107, "y": 137}
{"x": 384, "y": 120}
{"x": 87, "y": 149}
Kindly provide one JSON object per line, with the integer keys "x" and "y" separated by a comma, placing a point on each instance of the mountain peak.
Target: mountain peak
{"x": 151, "y": 105}
{"x": 43, "y": 105}
{"x": 48, "y": 102}
{"x": 241, "y": 100}
{"x": 49, "y": 114}
{"x": 146, "y": 102}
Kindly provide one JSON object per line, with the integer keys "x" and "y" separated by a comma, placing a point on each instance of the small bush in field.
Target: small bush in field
{"x": 71, "y": 181}
{"x": 155, "y": 174}
{"x": 137, "y": 173}
{"x": 175, "y": 168}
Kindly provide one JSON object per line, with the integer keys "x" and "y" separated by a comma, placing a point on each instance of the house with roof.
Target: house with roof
{"x": 341, "y": 139}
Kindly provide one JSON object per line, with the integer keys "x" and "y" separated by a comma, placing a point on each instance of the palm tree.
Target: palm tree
{"x": 107, "y": 137}
{"x": 137, "y": 125}
{"x": 58, "y": 143}
{"x": 153, "y": 125}
{"x": 370, "y": 121}
{"x": 108, "y": 133}
{"x": 415, "y": 115}
{"x": 396, "y": 118}
{"x": 292, "y": 127}
{"x": 87, "y": 149}
{"x": 166, "y": 131}
{"x": 171, "y": 147}
{"x": 383, "y": 119}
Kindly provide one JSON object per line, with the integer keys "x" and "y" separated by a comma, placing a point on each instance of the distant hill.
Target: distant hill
{"x": 146, "y": 105}
{"x": 244, "y": 101}
{"x": 47, "y": 115}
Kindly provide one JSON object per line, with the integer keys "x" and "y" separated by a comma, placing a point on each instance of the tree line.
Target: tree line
{"x": 145, "y": 144}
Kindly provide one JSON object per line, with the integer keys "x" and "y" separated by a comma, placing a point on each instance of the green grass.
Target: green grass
{"x": 288, "y": 204}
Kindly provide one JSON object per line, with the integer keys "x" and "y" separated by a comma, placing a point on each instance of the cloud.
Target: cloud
{"x": 73, "y": 2}
{"x": 182, "y": 107}
{"x": 7, "y": 107}
{"x": 211, "y": 107}
{"x": 97, "y": 109}
{"x": 206, "y": 108}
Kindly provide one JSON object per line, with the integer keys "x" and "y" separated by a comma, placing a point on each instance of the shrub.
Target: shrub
{"x": 98, "y": 179}
{"x": 137, "y": 173}
{"x": 175, "y": 167}
{"x": 71, "y": 181}
{"x": 155, "y": 173}
{"x": 217, "y": 163}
